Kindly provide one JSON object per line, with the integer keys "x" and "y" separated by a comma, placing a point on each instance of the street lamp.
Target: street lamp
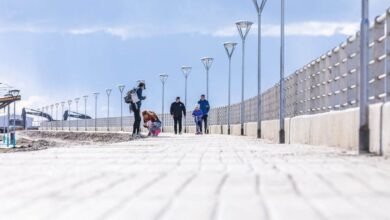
{"x": 121, "y": 89}
{"x": 77, "y": 110}
{"x": 85, "y": 111}
{"x": 51, "y": 114}
{"x": 62, "y": 120}
{"x": 186, "y": 72}
{"x": 14, "y": 93}
{"x": 281, "y": 86}
{"x": 163, "y": 78}
{"x": 8, "y": 117}
{"x": 108, "y": 92}
{"x": 207, "y": 62}
{"x": 259, "y": 9}
{"x": 229, "y": 47}
{"x": 96, "y": 94}
{"x": 69, "y": 104}
{"x": 364, "y": 132}
{"x": 57, "y": 104}
{"x": 243, "y": 28}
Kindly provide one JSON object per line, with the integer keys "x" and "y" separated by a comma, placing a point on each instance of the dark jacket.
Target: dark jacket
{"x": 137, "y": 105}
{"x": 204, "y": 106}
{"x": 178, "y": 109}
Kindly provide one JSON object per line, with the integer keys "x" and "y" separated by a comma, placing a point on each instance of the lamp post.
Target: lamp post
{"x": 108, "y": 92}
{"x": 69, "y": 104}
{"x": 259, "y": 9}
{"x": 8, "y": 117}
{"x": 207, "y": 62}
{"x": 85, "y": 111}
{"x": 186, "y": 72}
{"x": 47, "y": 111}
{"x": 62, "y": 118}
{"x": 57, "y": 104}
{"x": 77, "y": 111}
{"x": 364, "y": 132}
{"x": 243, "y": 28}
{"x": 281, "y": 83}
{"x": 96, "y": 94}
{"x": 14, "y": 93}
{"x": 163, "y": 78}
{"x": 121, "y": 89}
{"x": 51, "y": 114}
{"x": 229, "y": 47}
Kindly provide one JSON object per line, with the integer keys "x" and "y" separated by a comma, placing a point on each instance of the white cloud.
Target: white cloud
{"x": 312, "y": 28}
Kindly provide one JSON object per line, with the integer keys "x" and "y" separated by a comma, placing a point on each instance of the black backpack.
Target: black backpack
{"x": 131, "y": 96}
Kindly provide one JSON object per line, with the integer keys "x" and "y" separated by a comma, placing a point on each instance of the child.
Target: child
{"x": 197, "y": 114}
{"x": 152, "y": 123}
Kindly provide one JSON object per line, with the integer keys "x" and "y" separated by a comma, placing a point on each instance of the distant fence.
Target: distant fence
{"x": 328, "y": 83}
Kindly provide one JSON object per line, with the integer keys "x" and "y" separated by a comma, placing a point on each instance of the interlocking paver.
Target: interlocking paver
{"x": 194, "y": 177}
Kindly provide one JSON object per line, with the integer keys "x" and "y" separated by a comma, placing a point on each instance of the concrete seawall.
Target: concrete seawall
{"x": 335, "y": 129}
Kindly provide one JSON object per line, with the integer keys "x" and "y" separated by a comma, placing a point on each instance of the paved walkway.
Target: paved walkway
{"x": 193, "y": 178}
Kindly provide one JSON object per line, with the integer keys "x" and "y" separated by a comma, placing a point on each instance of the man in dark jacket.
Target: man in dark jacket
{"x": 177, "y": 111}
{"x": 136, "y": 108}
{"x": 205, "y": 108}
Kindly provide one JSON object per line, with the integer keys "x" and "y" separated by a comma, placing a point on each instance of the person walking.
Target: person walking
{"x": 134, "y": 98}
{"x": 205, "y": 108}
{"x": 197, "y": 114}
{"x": 178, "y": 109}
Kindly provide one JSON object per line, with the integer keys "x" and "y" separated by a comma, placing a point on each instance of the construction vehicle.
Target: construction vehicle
{"x": 27, "y": 111}
{"x": 69, "y": 114}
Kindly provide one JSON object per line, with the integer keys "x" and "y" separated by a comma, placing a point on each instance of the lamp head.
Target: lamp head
{"x": 163, "y": 78}
{"x": 186, "y": 70}
{"x": 121, "y": 87}
{"x": 229, "y": 47}
{"x": 243, "y": 28}
{"x": 207, "y": 62}
{"x": 108, "y": 91}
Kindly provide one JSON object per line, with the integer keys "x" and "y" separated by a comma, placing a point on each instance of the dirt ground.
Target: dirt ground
{"x": 40, "y": 140}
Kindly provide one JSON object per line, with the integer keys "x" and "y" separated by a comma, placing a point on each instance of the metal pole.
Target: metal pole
{"x": 364, "y": 132}
{"x": 96, "y": 98}
{"x": 14, "y": 133}
{"x": 185, "y": 103}
{"x": 62, "y": 118}
{"x": 77, "y": 110}
{"x": 57, "y": 116}
{"x": 259, "y": 76}
{"x": 281, "y": 87}
{"x": 242, "y": 88}
{"x": 51, "y": 114}
{"x": 229, "y": 93}
{"x": 163, "y": 116}
{"x": 207, "y": 83}
{"x": 8, "y": 117}
{"x": 4, "y": 125}
{"x": 85, "y": 112}
{"x": 69, "y": 103}
{"x": 108, "y": 91}
{"x": 121, "y": 111}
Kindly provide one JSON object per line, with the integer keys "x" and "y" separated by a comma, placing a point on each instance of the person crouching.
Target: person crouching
{"x": 198, "y": 114}
{"x": 152, "y": 123}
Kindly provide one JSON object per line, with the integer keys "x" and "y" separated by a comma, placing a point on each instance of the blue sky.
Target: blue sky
{"x": 59, "y": 50}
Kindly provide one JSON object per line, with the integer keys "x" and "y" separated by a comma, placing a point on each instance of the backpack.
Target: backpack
{"x": 132, "y": 96}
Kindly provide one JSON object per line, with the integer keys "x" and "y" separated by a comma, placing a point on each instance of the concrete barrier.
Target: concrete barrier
{"x": 335, "y": 129}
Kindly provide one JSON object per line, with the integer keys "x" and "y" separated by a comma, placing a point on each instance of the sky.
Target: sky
{"x": 55, "y": 50}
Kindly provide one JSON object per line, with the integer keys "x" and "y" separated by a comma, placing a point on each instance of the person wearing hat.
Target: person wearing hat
{"x": 136, "y": 108}
{"x": 198, "y": 114}
{"x": 178, "y": 109}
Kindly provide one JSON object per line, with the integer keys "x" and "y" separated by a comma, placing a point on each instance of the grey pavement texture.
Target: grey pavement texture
{"x": 194, "y": 178}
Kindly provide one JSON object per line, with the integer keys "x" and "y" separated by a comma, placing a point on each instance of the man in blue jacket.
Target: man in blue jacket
{"x": 205, "y": 108}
